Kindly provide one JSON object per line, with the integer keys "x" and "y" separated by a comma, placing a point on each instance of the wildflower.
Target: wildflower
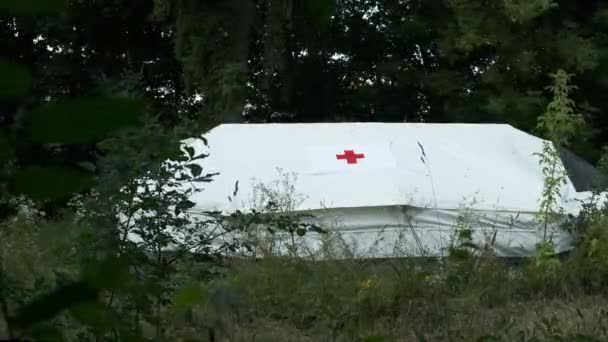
{"x": 369, "y": 283}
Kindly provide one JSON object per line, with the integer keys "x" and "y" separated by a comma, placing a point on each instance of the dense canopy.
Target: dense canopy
{"x": 304, "y": 61}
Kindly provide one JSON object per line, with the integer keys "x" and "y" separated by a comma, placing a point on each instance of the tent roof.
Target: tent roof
{"x": 485, "y": 166}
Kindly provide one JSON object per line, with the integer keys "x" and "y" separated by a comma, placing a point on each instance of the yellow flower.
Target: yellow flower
{"x": 368, "y": 283}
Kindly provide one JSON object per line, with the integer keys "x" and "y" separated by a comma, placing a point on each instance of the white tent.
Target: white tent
{"x": 395, "y": 188}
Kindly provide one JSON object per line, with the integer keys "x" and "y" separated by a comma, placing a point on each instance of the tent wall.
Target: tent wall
{"x": 399, "y": 231}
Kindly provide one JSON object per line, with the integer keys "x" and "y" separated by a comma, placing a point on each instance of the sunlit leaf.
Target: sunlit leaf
{"x": 50, "y": 183}
{"x": 32, "y": 7}
{"x": 84, "y": 120}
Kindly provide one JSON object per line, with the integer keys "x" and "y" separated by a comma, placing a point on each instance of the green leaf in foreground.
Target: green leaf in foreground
{"x": 188, "y": 296}
{"x": 50, "y": 183}
{"x": 49, "y": 305}
{"x": 33, "y": 7}
{"x": 6, "y": 148}
{"x": 84, "y": 120}
{"x": 81, "y": 297}
{"x": 44, "y": 332}
{"x": 94, "y": 314}
{"x": 15, "y": 80}
{"x": 320, "y": 11}
{"x": 109, "y": 274}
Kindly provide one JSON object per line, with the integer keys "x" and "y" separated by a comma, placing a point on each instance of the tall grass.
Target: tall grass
{"x": 475, "y": 297}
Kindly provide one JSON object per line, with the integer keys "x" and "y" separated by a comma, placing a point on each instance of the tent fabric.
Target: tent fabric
{"x": 421, "y": 165}
{"x": 584, "y": 176}
{"x": 364, "y": 175}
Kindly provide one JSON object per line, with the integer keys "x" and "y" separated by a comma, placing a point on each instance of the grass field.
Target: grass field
{"x": 465, "y": 297}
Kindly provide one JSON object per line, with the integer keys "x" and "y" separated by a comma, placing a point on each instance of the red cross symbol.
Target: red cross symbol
{"x": 350, "y": 156}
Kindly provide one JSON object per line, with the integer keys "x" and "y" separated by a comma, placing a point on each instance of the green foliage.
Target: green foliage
{"x": 186, "y": 297}
{"x": 462, "y": 246}
{"x": 16, "y": 80}
{"x": 6, "y": 150}
{"x": 50, "y": 183}
{"x": 465, "y": 60}
{"x": 145, "y": 195}
{"x": 212, "y": 42}
{"x": 33, "y": 7}
{"x": 560, "y": 122}
{"x": 354, "y": 300}
{"x": 35, "y": 257}
{"x": 320, "y": 11}
{"x": 110, "y": 273}
{"x": 76, "y": 121}
{"x": 524, "y": 11}
{"x": 82, "y": 120}
{"x": 555, "y": 177}
{"x": 584, "y": 58}
{"x": 589, "y": 262}
{"x": 51, "y": 304}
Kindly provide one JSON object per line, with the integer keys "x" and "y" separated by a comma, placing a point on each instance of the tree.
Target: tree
{"x": 98, "y": 49}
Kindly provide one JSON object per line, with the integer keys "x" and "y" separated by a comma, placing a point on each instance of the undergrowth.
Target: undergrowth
{"x": 473, "y": 298}
{"x": 150, "y": 295}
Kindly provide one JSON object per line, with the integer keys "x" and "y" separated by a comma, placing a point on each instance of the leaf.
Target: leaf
{"x": 236, "y": 188}
{"x": 92, "y": 314}
{"x": 84, "y": 120}
{"x": 32, "y": 7}
{"x": 320, "y": 11}
{"x": 190, "y": 150}
{"x": 207, "y": 178}
{"x": 317, "y": 229}
{"x": 110, "y": 273}
{"x": 195, "y": 169}
{"x": 15, "y": 80}
{"x": 51, "y": 304}
{"x": 183, "y": 206}
{"x": 421, "y": 148}
{"x": 45, "y": 332}
{"x": 88, "y": 166}
{"x": 6, "y": 148}
{"x": 469, "y": 245}
{"x": 50, "y": 182}
{"x": 186, "y": 297}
